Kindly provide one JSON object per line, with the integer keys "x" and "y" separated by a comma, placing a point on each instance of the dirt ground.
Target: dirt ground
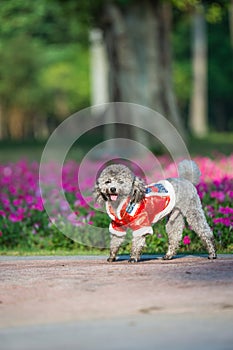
{"x": 35, "y": 291}
{"x": 52, "y": 290}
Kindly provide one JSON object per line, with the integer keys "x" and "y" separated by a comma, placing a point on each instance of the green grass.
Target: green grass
{"x": 31, "y": 150}
{"x": 75, "y": 252}
{"x": 14, "y": 151}
{"x": 55, "y": 252}
{"x": 211, "y": 144}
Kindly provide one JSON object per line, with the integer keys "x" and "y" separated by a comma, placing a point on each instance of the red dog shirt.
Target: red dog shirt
{"x": 159, "y": 201}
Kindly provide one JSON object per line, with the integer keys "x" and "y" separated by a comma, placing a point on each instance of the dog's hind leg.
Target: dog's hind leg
{"x": 197, "y": 221}
{"x": 114, "y": 247}
{"x": 174, "y": 229}
{"x": 138, "y": 243}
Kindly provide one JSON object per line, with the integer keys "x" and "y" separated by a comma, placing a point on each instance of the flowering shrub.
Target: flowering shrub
{"x": 186, "y": 240}
{"x": 217, "y": 197}
{"x": 24, "y": 222}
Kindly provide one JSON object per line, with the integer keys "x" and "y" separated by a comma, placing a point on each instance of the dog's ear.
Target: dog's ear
{"x": 138, "y": 190}
{"x": 99, "y": 197}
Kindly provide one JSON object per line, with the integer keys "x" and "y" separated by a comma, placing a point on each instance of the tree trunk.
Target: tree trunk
{"x": 137, "y": 38}
{"x": 16, "y": 123}
{"x": 1, "y": 123}
{"x": 198, "y": 112}
{"x": 231, "y": 21}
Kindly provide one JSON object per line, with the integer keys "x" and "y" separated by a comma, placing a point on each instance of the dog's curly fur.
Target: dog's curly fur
{"x": 119, "y": 179}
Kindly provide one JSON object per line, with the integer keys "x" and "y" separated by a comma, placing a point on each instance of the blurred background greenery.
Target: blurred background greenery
{"x": 153, "y": 51}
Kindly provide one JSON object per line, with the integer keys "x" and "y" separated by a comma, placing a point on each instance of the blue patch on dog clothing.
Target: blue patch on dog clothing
{"x": 161, "y": 188}
{"x": 130, "y": 207}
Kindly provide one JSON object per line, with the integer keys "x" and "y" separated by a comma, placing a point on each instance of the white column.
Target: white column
{"x": 99, "y": 68}
{"x": 198, "y": 112}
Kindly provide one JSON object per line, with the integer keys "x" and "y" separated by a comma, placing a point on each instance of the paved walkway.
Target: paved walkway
{"x": 85, "y": 303}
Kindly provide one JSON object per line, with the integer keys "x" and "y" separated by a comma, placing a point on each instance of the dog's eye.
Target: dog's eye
{"x": 120, "y": 182}
{"x": 107, "y": 182}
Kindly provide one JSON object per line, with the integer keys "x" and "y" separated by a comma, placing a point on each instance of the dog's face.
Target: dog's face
{"x": 116, "y": 182}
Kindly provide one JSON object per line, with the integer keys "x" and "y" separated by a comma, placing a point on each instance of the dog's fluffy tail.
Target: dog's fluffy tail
{"x": 189, "y": 170}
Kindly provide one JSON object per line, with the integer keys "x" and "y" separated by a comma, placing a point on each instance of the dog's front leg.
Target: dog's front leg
{"x": 138, "y": 243}
{"x": 114, "y": 247}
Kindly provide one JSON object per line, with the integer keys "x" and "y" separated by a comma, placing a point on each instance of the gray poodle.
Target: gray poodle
{"x": 131, "y": 204}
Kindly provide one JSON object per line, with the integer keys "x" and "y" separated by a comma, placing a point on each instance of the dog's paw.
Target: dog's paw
{"x": 167, "y": 257}
{"x": 212, "y": 256}
{"x": 133, "y": 260}
{"x": 111, "y": 259}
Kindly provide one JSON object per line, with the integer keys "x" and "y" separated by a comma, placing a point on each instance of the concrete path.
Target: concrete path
{"x": 86, "y": 303}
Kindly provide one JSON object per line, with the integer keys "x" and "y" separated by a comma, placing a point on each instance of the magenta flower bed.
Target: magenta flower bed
{"x": 23, "y": 218}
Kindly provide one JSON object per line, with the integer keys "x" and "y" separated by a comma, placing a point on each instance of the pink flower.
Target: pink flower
{"x": 20, "y": 211}
{"x": 186, "y": 240}
{"x": 38, "y": 205}
{"x": 73, "y": 219}
{"x": 210, "y": 211}
{"x": 220, "y": 196}
{"x": 2, "y": 213}
{"x": 6, "y": 203}
{"x": 64, "y": 205}
{"x": 225, "y": 210}
{"x": 15, "y": 217}
{"x": 17, "y": 201}
{"x": 29, "y": 199}
{"x": 224, "y": 221}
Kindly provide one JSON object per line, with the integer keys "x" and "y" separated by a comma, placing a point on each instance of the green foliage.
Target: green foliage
{"x": 20, "y": 61}
{"x": 214, "y": 13}
{"x": 28, "y": 235}
{"x": 220, "y": 72}
{"x": 44, "y": 58}
{"x": 39, "y": 234}
{"x": 214, "y": 9}
{"x": 65, "y": 76}
{"x": 220, "y": 55}
{"x": 43, "y": 20}
{"x": 182, "y": 70}
{"x": 184, "y": 5}
{"x": 44, "y": 53}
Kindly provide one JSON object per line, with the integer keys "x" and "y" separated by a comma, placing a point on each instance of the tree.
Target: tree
{"x": 207, "y": 93}
{"x": 18, "y": 86}
{"x": 199, "y": 101}
{"x": 43, "y": 71}
{"x": 137, "y": 38}
{"x": 138, "y": 41}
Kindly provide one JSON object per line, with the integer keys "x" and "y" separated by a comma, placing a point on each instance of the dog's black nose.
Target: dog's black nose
{"x": 113, "y": 189}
